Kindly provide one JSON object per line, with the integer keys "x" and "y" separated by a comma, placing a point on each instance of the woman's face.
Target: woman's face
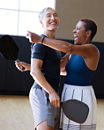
{"x": 50, "y": 20}
{"x": 80, "y": 34}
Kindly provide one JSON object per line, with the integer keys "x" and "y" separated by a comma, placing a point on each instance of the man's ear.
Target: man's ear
{"x": 41, "y": 21}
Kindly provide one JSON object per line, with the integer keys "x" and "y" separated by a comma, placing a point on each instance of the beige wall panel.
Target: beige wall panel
{"x": 70, "y": 11}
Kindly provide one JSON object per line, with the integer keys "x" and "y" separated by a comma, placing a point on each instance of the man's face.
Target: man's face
{"x": 50, "y": 20}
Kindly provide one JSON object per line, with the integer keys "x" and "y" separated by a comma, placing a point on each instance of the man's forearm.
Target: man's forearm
{"x": 41, "y": 80}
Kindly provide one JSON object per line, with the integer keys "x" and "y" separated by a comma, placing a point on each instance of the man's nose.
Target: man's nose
{"x": 52, "y": 17}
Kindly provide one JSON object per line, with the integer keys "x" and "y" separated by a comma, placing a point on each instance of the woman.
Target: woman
{"x": 45, "y": 70}
{"x": 82, "y": 58}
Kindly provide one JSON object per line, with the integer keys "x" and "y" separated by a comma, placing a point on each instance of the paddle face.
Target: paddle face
{"x": 8, "y": 47}
{"x": 75, "y": 110}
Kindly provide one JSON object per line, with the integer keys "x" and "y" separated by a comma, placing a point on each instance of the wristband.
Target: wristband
{"x": 42, "y": 38}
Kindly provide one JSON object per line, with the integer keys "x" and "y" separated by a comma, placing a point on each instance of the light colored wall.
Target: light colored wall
{"x": 70, "y": 11}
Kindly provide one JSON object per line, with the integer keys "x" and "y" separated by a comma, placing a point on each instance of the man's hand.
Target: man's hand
{"x": 54, "y": 99}
{"x": 22, "y": 66}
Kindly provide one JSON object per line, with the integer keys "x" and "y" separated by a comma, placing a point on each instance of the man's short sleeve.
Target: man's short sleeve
{"x": 38, "y": 51}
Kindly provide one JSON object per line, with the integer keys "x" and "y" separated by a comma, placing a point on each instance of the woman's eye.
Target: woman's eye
{"x": 78, "y": 28}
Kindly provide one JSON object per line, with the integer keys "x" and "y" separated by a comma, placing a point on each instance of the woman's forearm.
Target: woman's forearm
{"x": 66, "y": 57}
{"x": 58, "y": 45}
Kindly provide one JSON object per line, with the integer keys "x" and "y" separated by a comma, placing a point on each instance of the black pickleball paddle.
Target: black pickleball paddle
{"x": 8, "y": 47}
{"x": 75, "y": 110}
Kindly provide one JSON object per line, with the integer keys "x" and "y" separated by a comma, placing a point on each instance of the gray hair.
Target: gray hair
{"x": 44, "y": 11}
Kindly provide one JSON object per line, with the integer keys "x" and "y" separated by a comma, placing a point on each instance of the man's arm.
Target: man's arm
{"x": 38, "y": 76}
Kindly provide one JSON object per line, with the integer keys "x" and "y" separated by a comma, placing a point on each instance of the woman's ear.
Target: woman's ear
{"x": 89, "y": 33}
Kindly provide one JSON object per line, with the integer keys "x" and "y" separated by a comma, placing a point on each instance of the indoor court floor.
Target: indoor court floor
{"x": 16, "y": 113}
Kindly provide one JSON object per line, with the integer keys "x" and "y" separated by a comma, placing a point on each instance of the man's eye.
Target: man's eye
{"x": 48, "y": 15}
{"x": 55, "y": 15}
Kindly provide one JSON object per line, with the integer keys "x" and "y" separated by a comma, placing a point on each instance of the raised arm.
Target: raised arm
{"x": 89, "y": 52}
{"x": 86, "y": 50}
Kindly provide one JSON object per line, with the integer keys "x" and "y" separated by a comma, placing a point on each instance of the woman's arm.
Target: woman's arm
{"x": 38, "y": 76}
{"x": 85, "y": 50}
{"x": 63, "y": 63}
{"x": 89, "y": 52}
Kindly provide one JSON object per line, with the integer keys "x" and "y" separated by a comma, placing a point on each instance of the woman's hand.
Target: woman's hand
{"x": 33, "y": 37}
{"x": 22, "y": 66}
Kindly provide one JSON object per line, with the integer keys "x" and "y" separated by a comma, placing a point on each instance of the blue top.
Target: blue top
{"x": 77, "y": 72}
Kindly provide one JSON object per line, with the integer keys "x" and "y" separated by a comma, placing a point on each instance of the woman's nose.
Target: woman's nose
{"x": 74, "y": 30}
